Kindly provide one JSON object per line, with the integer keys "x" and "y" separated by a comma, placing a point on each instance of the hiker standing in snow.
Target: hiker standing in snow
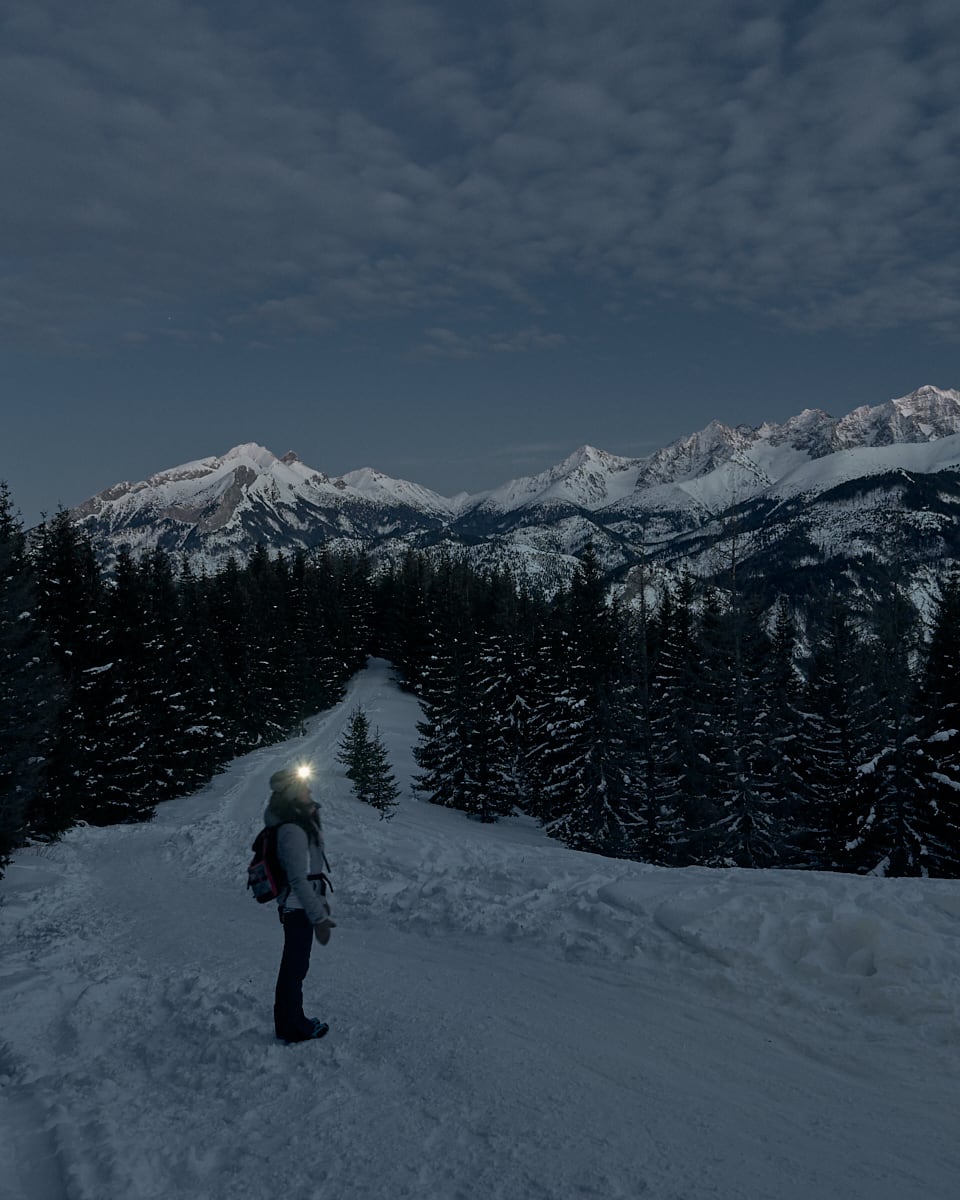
{"x": 304, "y": 911}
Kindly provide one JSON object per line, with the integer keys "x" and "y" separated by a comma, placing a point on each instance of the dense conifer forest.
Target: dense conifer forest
{"x": 698, "y": 726}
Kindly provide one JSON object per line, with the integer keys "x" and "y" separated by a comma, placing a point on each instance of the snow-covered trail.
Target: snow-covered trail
{"x": 509, "y": 1019}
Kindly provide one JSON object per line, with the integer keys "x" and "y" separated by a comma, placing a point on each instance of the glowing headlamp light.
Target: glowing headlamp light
{"x": 304, "y": 772}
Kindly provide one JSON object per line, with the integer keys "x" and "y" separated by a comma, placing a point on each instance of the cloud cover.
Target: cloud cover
{"x": 214, "y": 170}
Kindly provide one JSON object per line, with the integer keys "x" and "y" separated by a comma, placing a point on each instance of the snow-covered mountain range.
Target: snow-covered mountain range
{"x": 787, "y": 498}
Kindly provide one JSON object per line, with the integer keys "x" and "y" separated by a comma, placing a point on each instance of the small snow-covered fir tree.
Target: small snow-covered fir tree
{"x": 354, "y": 751}
{"x": 367, "y": 766}
{"x": 382, "y": 789}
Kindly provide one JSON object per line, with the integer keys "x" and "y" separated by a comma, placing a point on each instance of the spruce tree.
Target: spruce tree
{"x": 123, "y": 745}
{"x": 781, "y": 775}
{"x": 270, "y": 681}
{"x": 443, "y": 750}
{"x": 71, "y": 611}
{"x": 364, "y": 756}
{"x": 745, "y": 823}
{"x": 184, "y": 744}
{"x": 882, "y": 826}
{"x": 584, "y": 723}
{"x": 490, "y": 750}
{"x": 657, "y": 832}
{"x": 228, "y": 607}
{"x": 681, "y": 773}
{"x": 938, "y": 718}
{"x": 317, "y": 671}
{"x": 382, "y": 789}
{"x": 28, "y": 685}
{"x": 354, "y": 752}
{"x": 834, "y": 732}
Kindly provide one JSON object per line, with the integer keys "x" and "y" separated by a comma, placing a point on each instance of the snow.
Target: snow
{"x": 864, "y": 461}
{"x": 589, "y": 478}
{"x": 509, "y": 1019}
{"x": 381, "y": 489}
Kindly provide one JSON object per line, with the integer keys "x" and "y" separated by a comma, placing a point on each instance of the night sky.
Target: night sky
{"x": 454, "y": 240}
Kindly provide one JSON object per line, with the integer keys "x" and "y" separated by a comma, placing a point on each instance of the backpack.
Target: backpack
{"x": 266, "y": 878}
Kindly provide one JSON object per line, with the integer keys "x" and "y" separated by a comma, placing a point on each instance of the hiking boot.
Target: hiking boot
{"x": 316, "y": 1029}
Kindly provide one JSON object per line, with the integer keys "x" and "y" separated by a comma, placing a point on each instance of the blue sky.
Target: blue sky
{"x": 456, "y": 241}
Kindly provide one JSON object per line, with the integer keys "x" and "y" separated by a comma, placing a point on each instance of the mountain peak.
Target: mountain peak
{"x": 927, "y": 399}
{"x": 252, "y": 452}
{"x": 586, "y": 453}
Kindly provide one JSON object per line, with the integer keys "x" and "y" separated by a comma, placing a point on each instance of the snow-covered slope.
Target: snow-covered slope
{"x": 374, "y": 486}
{"x": 588, "y": 478}
{"x": 509, "y": 1019}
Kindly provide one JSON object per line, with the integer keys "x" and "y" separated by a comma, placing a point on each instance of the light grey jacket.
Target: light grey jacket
{"x": 299, "y": 857}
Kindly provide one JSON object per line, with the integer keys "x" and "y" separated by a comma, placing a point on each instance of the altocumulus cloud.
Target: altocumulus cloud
{"x": 277, "y": 173}
{"x": 448, "y": 343}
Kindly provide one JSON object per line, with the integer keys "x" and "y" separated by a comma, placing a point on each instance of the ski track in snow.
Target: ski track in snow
{"x": 509, "y": 1019}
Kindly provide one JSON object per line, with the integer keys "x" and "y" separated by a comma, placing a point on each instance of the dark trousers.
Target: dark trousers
{"x": 288, "y": 1019}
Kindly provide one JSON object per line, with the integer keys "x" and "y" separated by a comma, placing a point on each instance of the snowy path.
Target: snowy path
{"x": 509, "y": 1020}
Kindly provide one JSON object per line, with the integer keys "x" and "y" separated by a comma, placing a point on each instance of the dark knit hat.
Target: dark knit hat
{"x": 287, "y": 780}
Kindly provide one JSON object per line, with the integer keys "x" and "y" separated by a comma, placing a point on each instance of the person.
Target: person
{"x": 303, "y": 906}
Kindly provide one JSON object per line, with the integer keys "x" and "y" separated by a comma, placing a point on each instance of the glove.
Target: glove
{"x": 321, "y": 931}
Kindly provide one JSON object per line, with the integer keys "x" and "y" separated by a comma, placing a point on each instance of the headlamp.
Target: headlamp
{"x": 304, "y": 771}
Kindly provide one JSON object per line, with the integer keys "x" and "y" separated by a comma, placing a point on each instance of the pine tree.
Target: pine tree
{"x": 744, "y": 824}
{"x": 183, "y": 742}
{"x": 584, "y": 722}
{"x": 354, "y": 752}
{"x": 833, "y": 733}
{"x": 658, "y": 829}
{"x": 28, "y": 686}
{"x": 682, "y": 765}
{"x": 490, "y": 750}
{"x": 193, "y": 731}
{"x": 318, "y": 671}
{"x": 122, "y": 745}
{"x": 270, "y": 682}
{"x": 938, "y": 717}
{"x": 882, "y": 827}
{"x": 229, "y": 618}
{"x": 71, "y": 611}
{"x": 367, "y": 766}
{"x": 443, "y": 750}
{"x": 446, "y": 752}
{"x": 383, "y": 791}
{"x": 403, "y": 626}
{"x": 781, "y": 776}
{"x": 343, "y": 596}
